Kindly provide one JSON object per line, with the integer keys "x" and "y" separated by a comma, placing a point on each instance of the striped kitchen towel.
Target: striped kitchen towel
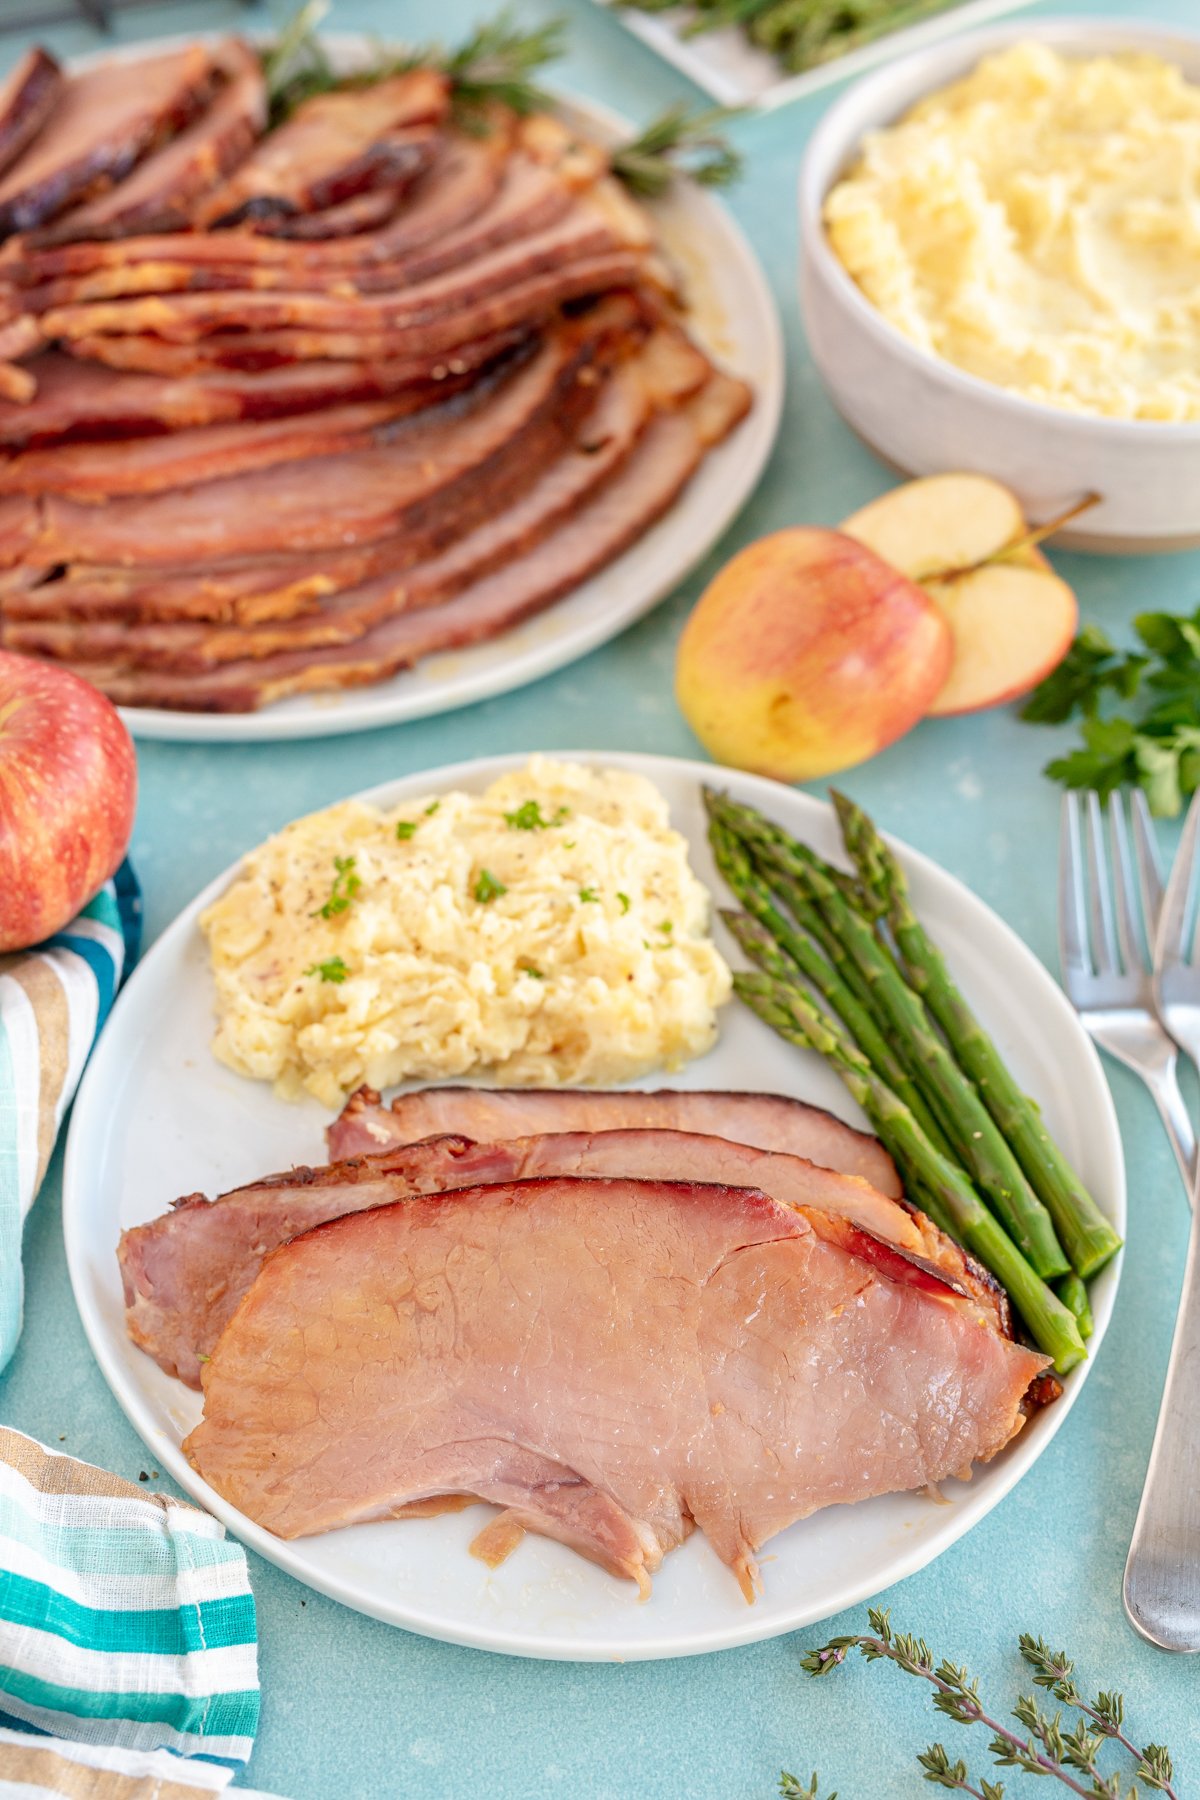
{"x": 53, "y": 1000}
{"x": 32, "y": 1768}
{"x": 126, "y": 1617}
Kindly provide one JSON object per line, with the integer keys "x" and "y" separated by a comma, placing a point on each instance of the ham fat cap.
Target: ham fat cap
{"x": 680, "y": 1354}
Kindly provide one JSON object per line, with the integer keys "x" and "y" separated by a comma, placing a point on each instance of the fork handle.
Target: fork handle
{"x": 1174, "y": 1114}
{"x": 1162, "y": 1575}
{"x": 1158, "y": 1067}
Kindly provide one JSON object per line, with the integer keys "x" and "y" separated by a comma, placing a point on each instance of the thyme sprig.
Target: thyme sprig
{"x": 1068, "y": 1754}
{"x": 497, "y": 66}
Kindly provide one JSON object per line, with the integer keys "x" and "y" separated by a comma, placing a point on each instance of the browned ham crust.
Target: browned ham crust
{"x": 103, "y": 123}
{"x": 28, "y": 95}
{"x": 161, "y": 190}
{"x": 331, "y": 148}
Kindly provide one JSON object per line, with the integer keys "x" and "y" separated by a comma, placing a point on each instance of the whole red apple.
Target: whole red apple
{"x": 68, "y": 787}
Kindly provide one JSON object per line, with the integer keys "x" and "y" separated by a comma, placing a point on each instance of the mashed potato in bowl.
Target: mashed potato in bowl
{"x": 549, "y": 931}
{"x": 1036, "y": 224}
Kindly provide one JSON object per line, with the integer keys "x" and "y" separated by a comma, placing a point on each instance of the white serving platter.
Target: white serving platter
{"x": 737, "y": 73}
{"x": 157, "y": 1116}
{"x": 733, "y": 314}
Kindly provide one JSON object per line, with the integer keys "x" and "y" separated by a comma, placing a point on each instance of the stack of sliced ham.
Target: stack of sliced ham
{"x": 288, "y": 410}
{"x": 587, "y": 1308}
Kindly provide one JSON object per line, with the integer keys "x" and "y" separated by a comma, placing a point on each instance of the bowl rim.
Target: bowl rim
{"x": 1072, "y": 29}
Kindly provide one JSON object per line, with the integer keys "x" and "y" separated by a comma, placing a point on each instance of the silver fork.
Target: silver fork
{"x": 1162, "y": 1575}
{"x": 1108, "y": 914}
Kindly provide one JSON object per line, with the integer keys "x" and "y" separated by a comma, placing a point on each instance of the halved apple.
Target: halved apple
{"x": 1012, "y": 624}
{"x": 960, "y": 537}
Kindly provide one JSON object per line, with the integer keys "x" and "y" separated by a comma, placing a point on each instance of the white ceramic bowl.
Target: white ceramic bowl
{"x": 922, "y": 414}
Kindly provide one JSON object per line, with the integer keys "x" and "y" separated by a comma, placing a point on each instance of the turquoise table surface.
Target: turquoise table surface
{"x": 352, "y": 1708}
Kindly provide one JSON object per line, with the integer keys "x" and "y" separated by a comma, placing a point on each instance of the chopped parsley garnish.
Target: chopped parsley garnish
{"x": 666, "y": 928}
{"x": 345, "y": 885}
{"x": 589, "y": 896}
{"x": 624, "y": 899}
{"x": 333, "y": 970}
{"x": 529, "y": 817}
{"x": 528, "y": 969}
{"x": 432, "y": 808}
{"x": 405, "y": 829}
{"x": 488, "y": 888}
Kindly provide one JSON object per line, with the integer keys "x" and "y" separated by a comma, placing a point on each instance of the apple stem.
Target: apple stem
{"x": 1028, "y": 541}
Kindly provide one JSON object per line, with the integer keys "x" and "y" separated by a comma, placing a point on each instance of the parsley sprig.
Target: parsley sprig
{"x": 333, "y": 970}
{"x": 345, "y": 886}
{"x": 1069, "y": 1754}
{"x": 1139, "y": 711}
{"x": 487, "y": 888}
{"x": 530, "y": 817}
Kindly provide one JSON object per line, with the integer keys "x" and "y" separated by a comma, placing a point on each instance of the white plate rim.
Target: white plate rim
{"x": 373, "y": 706}
{"x": 88, "y": 1128}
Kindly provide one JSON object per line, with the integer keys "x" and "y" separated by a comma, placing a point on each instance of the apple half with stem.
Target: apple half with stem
{"x": 807, "y": 654}
{"x": 964, "y": 539}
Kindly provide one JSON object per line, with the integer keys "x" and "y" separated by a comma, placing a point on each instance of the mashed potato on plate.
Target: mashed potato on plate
{"x": 1037, "y": 224}
{"x": 548, "y": 931}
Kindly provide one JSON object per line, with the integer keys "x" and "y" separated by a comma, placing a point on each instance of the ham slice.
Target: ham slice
{"x": 672, "y": 1354}
{"x": 76, "y": 403}
{"x": 775, "y": 1122}
{"x": 185, "y": 1273}
{"x": 184, "y": 318}
{"x": 94, "y": 473}
{"x": 459, "y": 184}
{"x": 525, "y": 303}
{"x": 354, "y": 497}
{"x": 161, "y": 190}
{"x": 347, "y": 611}
{"x": 529, "y": 200}
{"x": 28, "y": 96}
{"x": 331, "y": 148}
{"x": 103, "y": 123}
{"x": 664, "y": 461}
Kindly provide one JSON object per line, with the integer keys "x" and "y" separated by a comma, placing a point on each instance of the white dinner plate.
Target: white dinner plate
{"x": 157, "y": 1116}
{"x": 733, "y": 315}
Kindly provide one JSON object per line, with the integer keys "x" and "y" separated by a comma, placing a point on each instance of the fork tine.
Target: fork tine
{"x": 1072, "y": 922}
{"x": 1169, "y": 946}
{"x": 1104, "y": 949}
{"x": 1149, "y": 863}
{"x": 1129, "y": 933}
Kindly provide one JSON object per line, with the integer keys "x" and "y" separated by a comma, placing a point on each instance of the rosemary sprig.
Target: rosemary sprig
{"x": 1050, "y": 1749}
{"x": 679, "y": 142}
{"x": 496, "y": 67}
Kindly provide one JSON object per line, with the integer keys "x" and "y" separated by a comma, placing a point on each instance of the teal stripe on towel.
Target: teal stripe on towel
{"x": 196, "y": 1715}
{"x": 158, "y": 1631}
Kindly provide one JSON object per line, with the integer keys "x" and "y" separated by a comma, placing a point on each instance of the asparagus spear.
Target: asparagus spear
{"x": 1086, "y": 1234}
{"x": 1072, "y": 1291}
{"x": 790, "y": 1011}
{"x": 966, "y": 1120}
{"x": 761, "y": 946}
{"x": 767, "y": 937}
